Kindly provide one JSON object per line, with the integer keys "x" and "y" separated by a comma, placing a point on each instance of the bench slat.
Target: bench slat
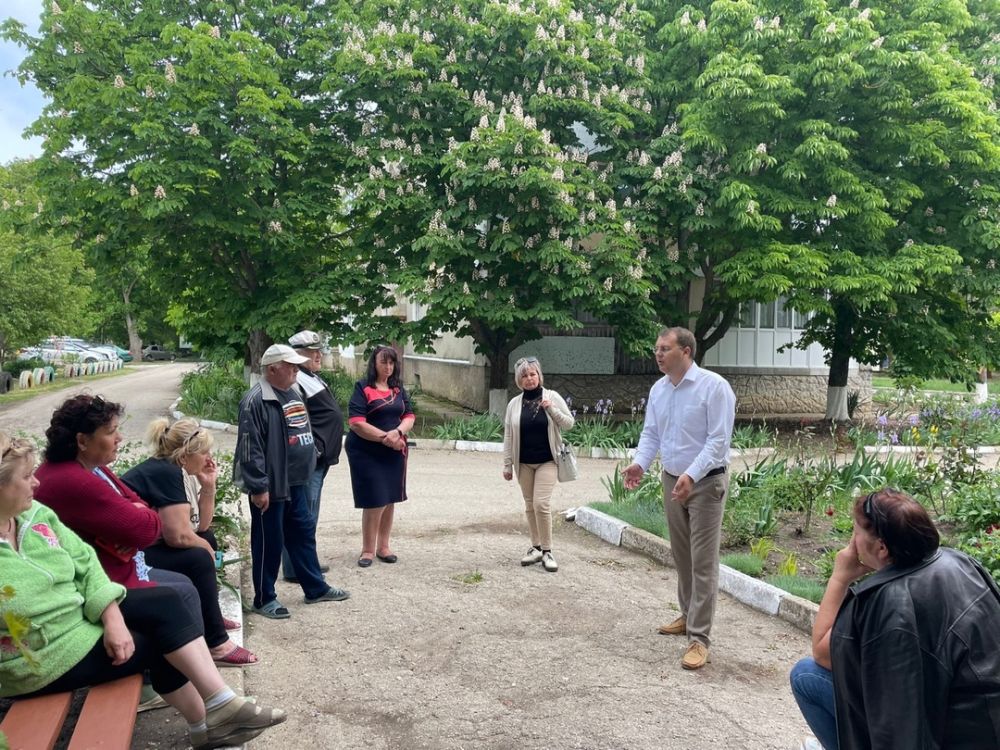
{"x": 35, "y": 723}
{"x": 108, "y": 716}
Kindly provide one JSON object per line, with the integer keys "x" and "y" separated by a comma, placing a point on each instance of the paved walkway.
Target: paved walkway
{"x": 457, "y": 646}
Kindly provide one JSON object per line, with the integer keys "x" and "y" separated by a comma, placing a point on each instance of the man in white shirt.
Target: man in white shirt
{"x": 689, "y": 422}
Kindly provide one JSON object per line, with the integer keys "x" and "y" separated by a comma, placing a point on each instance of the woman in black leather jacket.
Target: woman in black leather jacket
{"x": 910, "y": 656}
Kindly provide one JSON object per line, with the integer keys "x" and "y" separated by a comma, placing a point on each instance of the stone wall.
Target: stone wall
{"x": 774, "y": 392}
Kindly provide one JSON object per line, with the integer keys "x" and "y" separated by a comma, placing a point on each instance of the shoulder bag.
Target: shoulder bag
{"x": 566, "y": 467}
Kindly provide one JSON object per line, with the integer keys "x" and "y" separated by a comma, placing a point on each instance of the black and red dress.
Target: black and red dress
{"x": 378, "y": 473}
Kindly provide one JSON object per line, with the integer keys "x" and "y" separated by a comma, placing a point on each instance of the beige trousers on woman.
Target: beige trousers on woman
{"x": 537, "y": 482}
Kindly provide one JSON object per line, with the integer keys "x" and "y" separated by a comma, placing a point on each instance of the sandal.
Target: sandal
{"x": 230, "y": 624}
{"x": 238, "y": 657}
{"x": 273, "y": 610}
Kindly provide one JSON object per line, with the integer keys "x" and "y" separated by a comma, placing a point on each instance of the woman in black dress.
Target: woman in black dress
{"x": 379, "y": 416}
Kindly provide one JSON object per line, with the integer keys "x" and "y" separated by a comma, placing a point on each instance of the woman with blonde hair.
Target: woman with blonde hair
{"x": 179, "y": 482}
{"x": 532, "y": 436}
{"x": 80, "y": 628}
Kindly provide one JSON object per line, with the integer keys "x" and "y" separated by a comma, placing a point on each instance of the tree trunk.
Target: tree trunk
{"x": 257, "y": 343}
{"x": 134, "y": 342}
{"x": 840, "y": 361}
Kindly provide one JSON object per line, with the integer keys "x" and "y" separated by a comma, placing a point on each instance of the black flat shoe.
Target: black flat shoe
{"x": 364, "y": 562}
{"x": 386, "y": 558}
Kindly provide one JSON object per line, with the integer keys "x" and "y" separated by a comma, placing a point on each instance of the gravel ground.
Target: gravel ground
{"x": 458, "y": 646}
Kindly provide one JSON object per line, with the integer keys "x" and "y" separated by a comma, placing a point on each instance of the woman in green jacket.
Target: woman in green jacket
{"x": 65, "y": 625}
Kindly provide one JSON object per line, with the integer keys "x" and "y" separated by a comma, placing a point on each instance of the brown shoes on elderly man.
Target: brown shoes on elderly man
{"x": 695, "y": 656}
{"x": 677, "y": 627}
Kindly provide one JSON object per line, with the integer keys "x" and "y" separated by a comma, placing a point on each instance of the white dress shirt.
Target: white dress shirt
{"x": 690, "y": 425}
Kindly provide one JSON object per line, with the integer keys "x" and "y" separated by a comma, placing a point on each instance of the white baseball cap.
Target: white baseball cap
{"x": 281, "y": 353}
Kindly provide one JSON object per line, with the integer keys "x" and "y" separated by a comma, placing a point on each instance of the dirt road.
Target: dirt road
{"x": 146, "y": 391}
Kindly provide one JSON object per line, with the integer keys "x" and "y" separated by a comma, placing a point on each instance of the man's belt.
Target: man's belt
{"x": 713, "y": 473}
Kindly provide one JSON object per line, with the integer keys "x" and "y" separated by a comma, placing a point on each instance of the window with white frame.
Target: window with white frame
{"x": 771, "y": 315}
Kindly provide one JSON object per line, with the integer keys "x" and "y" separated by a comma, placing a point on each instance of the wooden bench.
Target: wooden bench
{"x": 106, "y": 720}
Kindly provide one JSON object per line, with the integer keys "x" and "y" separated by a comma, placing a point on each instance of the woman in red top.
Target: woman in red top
{"x": 75, "y": 481}
{"x": 379, "y": 418}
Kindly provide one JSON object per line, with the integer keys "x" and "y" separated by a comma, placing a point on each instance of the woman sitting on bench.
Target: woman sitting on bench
{"x": 83, "y": 440}
{"x": 67, "y": 626}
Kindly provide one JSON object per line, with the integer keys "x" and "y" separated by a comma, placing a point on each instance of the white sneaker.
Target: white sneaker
{"x": 810, "y": 743}
{"x": 533, "y": 556}
{"x": 549, "y": 562}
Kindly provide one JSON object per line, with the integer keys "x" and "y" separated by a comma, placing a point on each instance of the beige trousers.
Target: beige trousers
{"x": 695, "y": 534}
{"x": 537, "y": 482}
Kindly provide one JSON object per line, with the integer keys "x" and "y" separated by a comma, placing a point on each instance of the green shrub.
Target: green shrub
{"x": 484, "y": 428}
{"x": 985, "y": 547}
{"x": 751, "y": 565}
{"x": 16, "y": 366}
{"x": 976, "y": 507}
{"x": 214, "y": 391}
{"x": 341, "y": 385}
{"x": 750, "y": 436}
{"x": 807, "y": 588}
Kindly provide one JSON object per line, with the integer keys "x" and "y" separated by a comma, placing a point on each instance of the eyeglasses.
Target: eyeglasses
{"x": 191, "y": 437}
{"x": 874, "y": 514}
{"x": 526, "y": 361}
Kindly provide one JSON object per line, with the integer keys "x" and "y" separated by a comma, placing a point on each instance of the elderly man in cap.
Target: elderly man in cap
{"x": 327, "y": 422}
{"x": 275, "y": 460}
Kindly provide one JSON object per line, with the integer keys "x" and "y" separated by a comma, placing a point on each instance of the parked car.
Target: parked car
{"x": 123, "y": 354}
{"x": 156, "y": 352}
{"x": 62, "y": 352}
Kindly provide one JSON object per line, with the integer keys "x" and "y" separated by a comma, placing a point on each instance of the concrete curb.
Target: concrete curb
{"x": 208, "y": 424}
{"x": 754, "y": 593}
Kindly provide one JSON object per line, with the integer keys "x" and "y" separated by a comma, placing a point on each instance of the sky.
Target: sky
{"x": 19, "y": 105}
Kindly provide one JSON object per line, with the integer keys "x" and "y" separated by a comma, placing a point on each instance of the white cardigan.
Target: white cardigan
{"x": 559, "y": 419}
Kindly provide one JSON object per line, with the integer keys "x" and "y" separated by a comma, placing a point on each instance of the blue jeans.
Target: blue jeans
{"x": 315, "y": 489}
{"x": 812, "y": 686}
{"x": 288, "y": 525}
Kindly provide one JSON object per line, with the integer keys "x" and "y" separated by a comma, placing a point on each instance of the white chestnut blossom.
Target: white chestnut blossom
{"x": 77, "y": 48}
{"x": 55, "y": 9}
{"x": 831, "y": 201}
{"x": 274, "y": 227}
{"x": 169, "y": 73}
{"x": 133, "y": 190}
{"x": 831, "y": 27}
{"x": 119, "y": 82}
{"x": 878, "y": 42}
{"x": 159, "y": 193}
{"x": 193, "y": 129}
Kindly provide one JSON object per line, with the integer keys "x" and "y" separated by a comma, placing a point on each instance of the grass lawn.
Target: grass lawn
{"x": 59, "y": 384}
{"x": 883, "y": 381}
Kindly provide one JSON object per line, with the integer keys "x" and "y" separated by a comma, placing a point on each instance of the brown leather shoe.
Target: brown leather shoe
{"x": 695, "y": 657}
{"x": 677, "y": 627}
